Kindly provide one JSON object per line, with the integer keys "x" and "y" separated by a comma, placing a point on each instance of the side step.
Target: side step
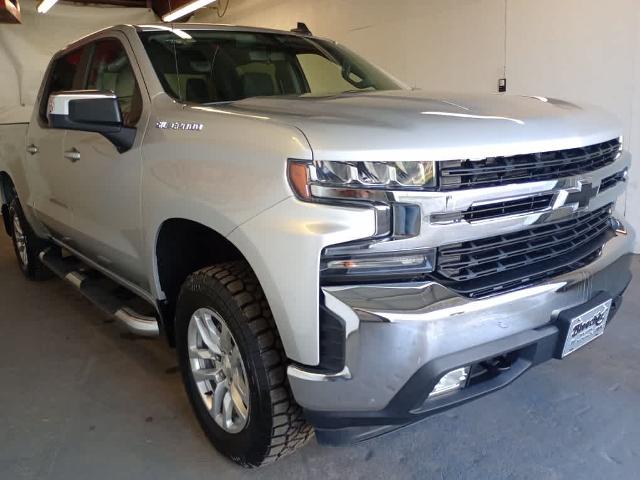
{"x": 111, "y": 298}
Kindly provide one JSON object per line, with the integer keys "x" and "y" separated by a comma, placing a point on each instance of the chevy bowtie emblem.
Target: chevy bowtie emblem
{"x": 584, "y": 196}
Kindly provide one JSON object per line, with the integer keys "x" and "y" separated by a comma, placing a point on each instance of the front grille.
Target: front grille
{"x": 531, "y": 204}
{"x": 505, "y": 262}
{"x": 496, "y": 171}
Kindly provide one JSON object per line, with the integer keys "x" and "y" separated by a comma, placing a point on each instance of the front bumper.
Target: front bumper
{"x": 401, "y": 339}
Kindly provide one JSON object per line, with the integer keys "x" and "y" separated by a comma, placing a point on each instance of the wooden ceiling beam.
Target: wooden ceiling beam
{"x": 10, "y": 11}
{"x": 115, "y": 3}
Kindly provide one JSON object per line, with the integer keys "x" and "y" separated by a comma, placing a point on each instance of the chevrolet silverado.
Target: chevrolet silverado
{"x": 327, "y": 249}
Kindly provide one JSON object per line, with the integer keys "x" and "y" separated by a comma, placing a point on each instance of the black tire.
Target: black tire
{"x": 275, "y": 426}
{"x": 31, "y": 265}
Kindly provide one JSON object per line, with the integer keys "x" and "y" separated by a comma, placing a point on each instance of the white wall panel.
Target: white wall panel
{"x": 435, "y": 44}
{"x": 585, "y": 51}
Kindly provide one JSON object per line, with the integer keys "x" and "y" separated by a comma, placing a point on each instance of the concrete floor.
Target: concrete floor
{"x": 81, "y": 399}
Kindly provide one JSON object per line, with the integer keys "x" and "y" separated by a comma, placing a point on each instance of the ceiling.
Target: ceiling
{"x": 10, "y": 9}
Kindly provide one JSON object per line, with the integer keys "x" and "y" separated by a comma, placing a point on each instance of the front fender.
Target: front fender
{"x": 283, "y": 246}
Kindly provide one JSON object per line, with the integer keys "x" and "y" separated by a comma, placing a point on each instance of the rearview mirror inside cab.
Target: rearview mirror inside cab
{"x": 90, "y": 111}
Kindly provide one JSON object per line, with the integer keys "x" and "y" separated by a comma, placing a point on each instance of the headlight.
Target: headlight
{"x": 369, "y": 185}
{"x": 415, "y": 174}
{"x": 334, "y": 173}
{"x": 304, "y": 175}
{"x": 374, "y": 173}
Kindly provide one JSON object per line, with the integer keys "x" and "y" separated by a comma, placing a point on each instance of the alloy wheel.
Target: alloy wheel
{"x": 21, "y": 240}
{"x": 218, "y": 370}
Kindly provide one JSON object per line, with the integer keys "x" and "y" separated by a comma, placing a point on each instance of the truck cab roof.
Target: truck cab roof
{"x": 183, "y": 27}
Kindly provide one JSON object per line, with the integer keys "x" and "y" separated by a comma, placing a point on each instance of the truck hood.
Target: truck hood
{"x": 414, "y": 125}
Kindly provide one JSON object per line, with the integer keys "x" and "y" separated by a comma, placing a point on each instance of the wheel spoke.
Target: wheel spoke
{"x": 241, "y": 384}
{"x": 239, "y": 402}
{"x": 20, "y": 240}
{"x": 218, "y": 396}
{"x": 17, "y": 227}
{"x": 239, "y": 379}
{"x": 203, "y": 374}
{"x": 209, "y": 333}
{"x": 226, "y": 341}
{"x": 201, "y": 353}
{"x": 227, "y": 409}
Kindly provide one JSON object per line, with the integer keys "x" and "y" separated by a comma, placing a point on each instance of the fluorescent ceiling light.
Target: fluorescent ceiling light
{"x": 45, "y": 5}
{"x": 175, "y": 31}
{"x": 185, "y": 10}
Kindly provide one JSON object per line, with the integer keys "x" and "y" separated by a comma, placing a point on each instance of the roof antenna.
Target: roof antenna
{"x": 302, "y": 29}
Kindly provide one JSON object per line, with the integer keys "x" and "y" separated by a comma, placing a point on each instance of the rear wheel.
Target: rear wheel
{"x": 234, "y": 367}
{"x": 26, "y": 244}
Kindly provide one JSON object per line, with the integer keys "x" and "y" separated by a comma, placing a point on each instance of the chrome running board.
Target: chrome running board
{"x": 99, "y": 290}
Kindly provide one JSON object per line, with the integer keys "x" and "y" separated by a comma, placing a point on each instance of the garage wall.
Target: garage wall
{"x": 586, "y": 51}
{"x": 25, "y": 50}
{"x": 579, "y": 50}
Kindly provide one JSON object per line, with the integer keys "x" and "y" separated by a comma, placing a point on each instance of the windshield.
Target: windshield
{"x": 208, "y": 66}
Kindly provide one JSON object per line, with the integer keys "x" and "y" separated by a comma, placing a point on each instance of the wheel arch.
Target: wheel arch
{"x": 184, "y": 246}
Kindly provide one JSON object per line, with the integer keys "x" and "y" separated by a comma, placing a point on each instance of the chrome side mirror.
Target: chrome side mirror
{"x": 90, "y": 111}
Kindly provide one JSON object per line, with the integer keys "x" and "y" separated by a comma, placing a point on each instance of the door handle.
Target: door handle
{"x": 32, "y": 149}
{"x": 73, "y": 155}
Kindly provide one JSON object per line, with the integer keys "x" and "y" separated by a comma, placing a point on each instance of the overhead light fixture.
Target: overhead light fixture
{"x": 184, "y": 10}
{"x": 45, "y": 5}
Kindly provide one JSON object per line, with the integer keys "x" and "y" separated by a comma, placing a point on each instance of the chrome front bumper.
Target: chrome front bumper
{"x": 393, "y": 331}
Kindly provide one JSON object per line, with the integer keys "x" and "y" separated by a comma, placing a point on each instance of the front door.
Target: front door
{"x": 105, "y": 184}
{"x": 45, "y": 165}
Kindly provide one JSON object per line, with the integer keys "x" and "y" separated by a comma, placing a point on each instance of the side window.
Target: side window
{"x": 66, "y": 74}
{"x": 110, "y": 70}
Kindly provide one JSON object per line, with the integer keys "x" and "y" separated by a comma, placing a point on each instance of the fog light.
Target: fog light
{"x": 375, "y": 267}
{"x": 452, "y": 381}
{"x": 618, "y": 226}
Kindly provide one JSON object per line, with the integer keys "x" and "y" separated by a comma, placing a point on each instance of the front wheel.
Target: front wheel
{"x": 234, "y": 367}
{"x": 26, "y": 244}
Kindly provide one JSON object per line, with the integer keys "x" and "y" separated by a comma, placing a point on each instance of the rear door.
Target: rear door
{"x": 103, "y": 184}
{"x": 46, "y": 167}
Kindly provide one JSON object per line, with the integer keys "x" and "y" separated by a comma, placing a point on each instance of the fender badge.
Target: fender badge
{"x": 179, "y": 126}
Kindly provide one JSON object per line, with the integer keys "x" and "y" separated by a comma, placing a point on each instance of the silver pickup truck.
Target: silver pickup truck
{"x": 328, "y": 250}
